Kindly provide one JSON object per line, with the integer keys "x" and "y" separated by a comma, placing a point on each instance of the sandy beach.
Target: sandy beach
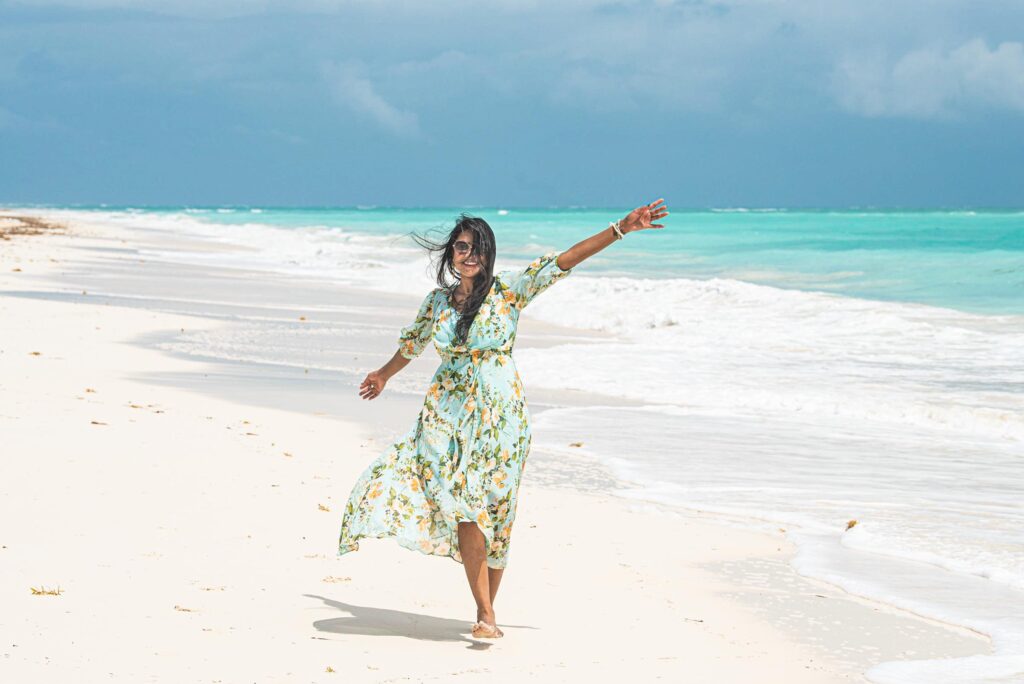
{"x": 169, "y": 517}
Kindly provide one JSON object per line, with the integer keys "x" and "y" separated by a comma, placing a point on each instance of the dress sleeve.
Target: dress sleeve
{"x": 541, "y": 274}
{"x": 414, "y": 337}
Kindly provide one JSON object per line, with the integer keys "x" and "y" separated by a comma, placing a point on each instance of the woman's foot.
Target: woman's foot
{"x": 482, "y": 630}
{"x": 485, "y": 626}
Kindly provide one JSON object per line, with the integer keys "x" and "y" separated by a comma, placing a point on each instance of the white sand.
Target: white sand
{"x": 182, "y": 522}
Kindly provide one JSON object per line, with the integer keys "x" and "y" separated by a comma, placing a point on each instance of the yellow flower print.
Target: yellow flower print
{"x": 482, "y": 519}
{"x": 499, "y": 478}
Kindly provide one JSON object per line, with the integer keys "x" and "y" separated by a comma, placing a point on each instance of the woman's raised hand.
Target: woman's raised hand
{"x": 373, "y": 385}
{"x": 644, "y": 217}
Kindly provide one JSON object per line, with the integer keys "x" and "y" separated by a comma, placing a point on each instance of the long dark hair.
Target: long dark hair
{"x": 441, "y": 256}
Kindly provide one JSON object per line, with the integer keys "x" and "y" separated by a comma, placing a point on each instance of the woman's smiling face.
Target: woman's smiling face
{"x": 467, "y": 263}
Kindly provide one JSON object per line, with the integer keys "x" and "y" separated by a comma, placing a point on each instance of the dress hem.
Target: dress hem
{"x": 412, "y": 546}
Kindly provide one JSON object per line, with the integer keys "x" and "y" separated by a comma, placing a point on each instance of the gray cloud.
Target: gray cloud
{"x": 931, "y": 83}
{"x": 737, "y": 101}
{"x": 740, "y": 58}
{"x": 352, "y": 90}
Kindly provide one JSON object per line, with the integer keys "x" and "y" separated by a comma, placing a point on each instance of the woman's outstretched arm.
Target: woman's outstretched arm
{"x": 639, "y": 219}
{"x": 411, "y": 342}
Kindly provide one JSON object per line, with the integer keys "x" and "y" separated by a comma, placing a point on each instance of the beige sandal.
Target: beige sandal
{"x": 482, "y": 630}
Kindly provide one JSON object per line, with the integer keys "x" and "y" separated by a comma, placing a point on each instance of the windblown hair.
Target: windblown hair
{"x": 442, "y": 258}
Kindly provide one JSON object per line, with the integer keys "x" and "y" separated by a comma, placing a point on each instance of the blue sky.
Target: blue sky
{"x": 453, "y": 103}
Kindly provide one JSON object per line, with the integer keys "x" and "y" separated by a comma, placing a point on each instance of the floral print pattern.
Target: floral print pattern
{"x": 464, "y": 457}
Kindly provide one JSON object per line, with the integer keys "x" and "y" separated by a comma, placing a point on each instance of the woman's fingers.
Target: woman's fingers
{"x": 369, "y": 389}
{"x": 656, "y": 214}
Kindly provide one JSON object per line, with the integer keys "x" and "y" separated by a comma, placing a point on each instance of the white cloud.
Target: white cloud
{"x": 355, "y": 92}
{"x": 930, "y": 83}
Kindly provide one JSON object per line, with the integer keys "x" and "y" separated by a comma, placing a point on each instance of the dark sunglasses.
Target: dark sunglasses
{"x": 462, "y": 247}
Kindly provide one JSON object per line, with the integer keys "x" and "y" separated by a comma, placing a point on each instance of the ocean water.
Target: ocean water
{"x": 967, "y": 260}
{"x": 803, "y": 369}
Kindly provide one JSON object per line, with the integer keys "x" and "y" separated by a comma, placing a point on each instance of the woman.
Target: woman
{"x": 449, "y": 487}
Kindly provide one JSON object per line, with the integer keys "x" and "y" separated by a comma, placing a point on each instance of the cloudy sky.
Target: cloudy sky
{"x": 911, "y": 103}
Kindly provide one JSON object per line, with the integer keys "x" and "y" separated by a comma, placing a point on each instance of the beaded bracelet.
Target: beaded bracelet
{"x": 615, "y": 228}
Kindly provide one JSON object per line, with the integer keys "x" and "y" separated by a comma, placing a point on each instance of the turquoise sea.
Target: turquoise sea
{"x": 968, "y": 260}
{"x": 971, "y": 260}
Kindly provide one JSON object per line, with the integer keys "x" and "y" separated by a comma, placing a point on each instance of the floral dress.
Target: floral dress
{"x": 464, "y": 457}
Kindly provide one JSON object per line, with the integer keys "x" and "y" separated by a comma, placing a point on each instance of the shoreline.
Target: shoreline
{"x": 743, "y": 566}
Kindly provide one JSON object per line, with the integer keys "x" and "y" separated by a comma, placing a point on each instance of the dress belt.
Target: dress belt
{"x": 476, "y": 355}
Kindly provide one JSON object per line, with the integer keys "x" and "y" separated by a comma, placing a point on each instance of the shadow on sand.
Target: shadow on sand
{"x": 387, "y": 622}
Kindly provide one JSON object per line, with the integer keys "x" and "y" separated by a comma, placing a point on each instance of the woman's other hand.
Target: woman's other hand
{"x": 644, "y": 217}
{"x": 373, "y": 385}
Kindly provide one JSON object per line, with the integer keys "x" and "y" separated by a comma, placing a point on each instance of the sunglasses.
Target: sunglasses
{"x": 462, "y": 247}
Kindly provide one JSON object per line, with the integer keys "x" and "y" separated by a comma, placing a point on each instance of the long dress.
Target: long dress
{"x": 464, "y": 457}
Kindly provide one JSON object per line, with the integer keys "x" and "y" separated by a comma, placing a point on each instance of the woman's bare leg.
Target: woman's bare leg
{"x": 474, "y": 560}
{"x": 493, "y": 580}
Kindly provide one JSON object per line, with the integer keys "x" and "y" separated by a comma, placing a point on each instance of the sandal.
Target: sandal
{"x": 482, "y": 630}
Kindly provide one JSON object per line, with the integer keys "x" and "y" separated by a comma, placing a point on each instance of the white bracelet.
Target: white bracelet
{"x": 615, "y": 228}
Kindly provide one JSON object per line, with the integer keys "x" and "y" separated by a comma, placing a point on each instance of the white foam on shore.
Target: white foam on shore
{"x": 388, "y": 263}
{"x": 724, "y": 343}
{"x": 938, "y": 516}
